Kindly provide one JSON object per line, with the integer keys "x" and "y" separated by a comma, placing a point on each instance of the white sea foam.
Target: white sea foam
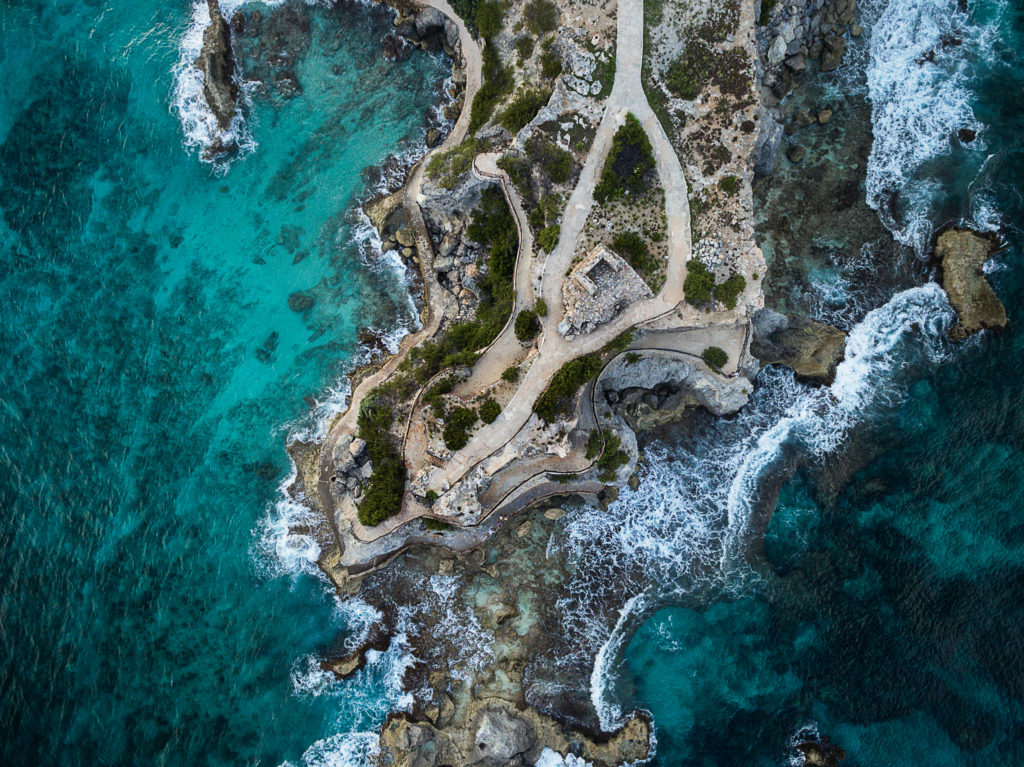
{"x": 683, "y": 531}
{"x": 920, "y": 95}
{"x": 549, "y": 758}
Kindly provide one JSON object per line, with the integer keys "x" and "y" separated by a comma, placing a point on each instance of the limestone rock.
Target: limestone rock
{"x": 795, "y": 152}
{"x": 554, "y": 514}
{"x": 962, "y": 253}
{"x": 811, "y": 349}
{"x": 217, "y": 63}
{"x": 500, "y": 736}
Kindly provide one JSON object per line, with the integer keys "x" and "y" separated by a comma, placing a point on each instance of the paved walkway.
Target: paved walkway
{"x": 432, "y": 313}
{"x": 627, "y": 96}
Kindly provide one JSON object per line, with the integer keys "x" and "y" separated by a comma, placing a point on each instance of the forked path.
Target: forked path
{"x": 627, "y": 96}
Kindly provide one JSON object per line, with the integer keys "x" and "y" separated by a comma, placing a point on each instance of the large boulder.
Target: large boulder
{"x": 217, "y": 63}
{"x": 962, "y": 252}
{"x": 500, "y": 738}
{"x": 811, "y": 349}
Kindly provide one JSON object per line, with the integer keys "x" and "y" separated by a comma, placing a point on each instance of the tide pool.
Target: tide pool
{"x": 152, "y": 372}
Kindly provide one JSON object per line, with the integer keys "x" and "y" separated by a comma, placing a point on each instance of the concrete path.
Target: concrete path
{"x": 627, "y": 96}
{"x": 432, "y": 312}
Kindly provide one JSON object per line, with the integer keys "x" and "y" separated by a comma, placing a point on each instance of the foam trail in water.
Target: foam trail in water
{"x": 918, "y": 83}
{"x": 913, "y": 323}
{"x": 684, "y": 528}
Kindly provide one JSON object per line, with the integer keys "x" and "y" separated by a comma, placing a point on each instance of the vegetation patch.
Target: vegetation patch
{"x": 541, "y": 307}
{"x": 730, "y": 185}
{"x": 701, "y": 65}
{"x": 436, "y": 525}
{"x": 383, "y": 498}
{"x": 631, "y": 246}
{"x": 457, "y": 426}
{"x": 527, "y": 325}
{"x": 699, "y": 283}
{"x": 446, "y": 168}
{"x": 613, "y": 457}
{"x": 510, "y": 374}
{"x": 524, "y": 107}
{"x": 489, "y": 18}
{"x": 489, "y": 410}
{"x": 524, "y": 46}
{"x": 497, "y": 83}
{"x": 629, "y": 160}
{"x": 557, "y": 399}
{"x": 554, "y": 162}
{"x": 715, "y": 357}
{"x": 541, "y": 16}
{"x": 728, "y": 291}
{"x": 547, "y": 238}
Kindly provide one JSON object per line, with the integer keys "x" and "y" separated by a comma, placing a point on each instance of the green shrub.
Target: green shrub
{"x": 632, "y": 358}
{"x": 766, "y": 11}
{"x": 527, "y": 325}
{"x": 594, "y": 445}
{"x": 629, "y": 159}
{"x": 497, "y": 84}
{"x": 446, "y": 168}
{"x": 550, "y": 64}
{"x": 619, "y": 343}
{"x": 556, "y": 400}
{"x": 524, "y": 46}
{"x": 383, "y": 498}
{"x": 554, "y": 161}
{"x": 456, "y": 429}
{"x": 489, "y": 18}
{"x": 518, "y": 169}
{"x": 730, "y": 185}
{"x": 715, "y": 357}
{"x": 541, "y": 307}
{"x": 524, "y": 107}
{"x": 699, "y": 283}
{"x": 684, "y": 77}
{"x": 612, "y": 458}
{"x": 541, "y": 16}
{"x": 728, "y": 291}
{"x": 431, "y": 497}
{"x": 511, "y": 374}
{"x": 435, "y": 524}
{"x": 631, "y": 246}
{"x": 489, "y": 410}
{"x": 547, "y": 238}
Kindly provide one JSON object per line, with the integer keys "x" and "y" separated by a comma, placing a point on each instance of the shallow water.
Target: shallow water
{"x": 152, "y": 371}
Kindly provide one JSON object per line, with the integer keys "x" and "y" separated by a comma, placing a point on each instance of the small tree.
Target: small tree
{"x": 489, "y": 410}
{"x": 728, "y": 291}
{"x": 715, "y": 357}
{"x": 699, "y": 283}
{"x": 527, "y": 325}
{"x": 541, "y": 16}
{"x": 489, "y": 19}
{"x": 547, "y": 238}
{"x": 511, "y": 374}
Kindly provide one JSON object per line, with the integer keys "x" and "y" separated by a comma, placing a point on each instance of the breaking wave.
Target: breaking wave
{"x": 683, "y": 534}
{"x": 918, "y": 80}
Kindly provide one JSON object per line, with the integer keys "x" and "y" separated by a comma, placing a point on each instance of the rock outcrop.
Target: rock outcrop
{"x": 495, "y": 733}
{"x": 961, "y": 253}
{"x": 811, "y": 349}
{"x": 217, "y": 63}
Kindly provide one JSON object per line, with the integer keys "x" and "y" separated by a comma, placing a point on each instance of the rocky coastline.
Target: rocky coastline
{"x": 508, "y": 707}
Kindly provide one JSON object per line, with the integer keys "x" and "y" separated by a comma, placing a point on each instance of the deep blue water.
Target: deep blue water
{"x": 151, "y": 371}
{"x": 891, "y": 618}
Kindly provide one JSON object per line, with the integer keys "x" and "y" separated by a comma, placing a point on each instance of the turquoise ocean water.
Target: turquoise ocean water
{"x": 151, "y": 372}
{"x": 152, "y": 611}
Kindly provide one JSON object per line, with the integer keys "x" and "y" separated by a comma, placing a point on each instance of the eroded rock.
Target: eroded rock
{"x": 811, "y": 349}
{"x": 217, "y": 63}
{"x": 962, "y": 252}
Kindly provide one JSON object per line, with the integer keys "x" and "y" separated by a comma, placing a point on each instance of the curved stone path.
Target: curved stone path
{"x": 627, "y": 96}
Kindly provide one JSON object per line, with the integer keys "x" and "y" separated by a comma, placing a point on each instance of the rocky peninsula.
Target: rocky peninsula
{"x": 587, "y": 270}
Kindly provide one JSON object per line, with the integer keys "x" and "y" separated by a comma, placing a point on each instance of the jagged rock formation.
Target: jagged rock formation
{"x": 495, "y": 733}
{"x": 962, "y": 253}
{"x": 811, "y": 349}
{"x": 217, "y": 63}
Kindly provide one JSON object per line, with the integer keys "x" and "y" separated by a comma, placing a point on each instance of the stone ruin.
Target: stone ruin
{"x": 597, "y": 289}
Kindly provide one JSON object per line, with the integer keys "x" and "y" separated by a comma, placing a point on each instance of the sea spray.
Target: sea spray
{"x": 918, "y": 78}
{"x": 686, "y": 529}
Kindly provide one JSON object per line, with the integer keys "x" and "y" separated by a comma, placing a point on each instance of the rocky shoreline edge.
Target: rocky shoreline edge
{"x": 485, "y": 728}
